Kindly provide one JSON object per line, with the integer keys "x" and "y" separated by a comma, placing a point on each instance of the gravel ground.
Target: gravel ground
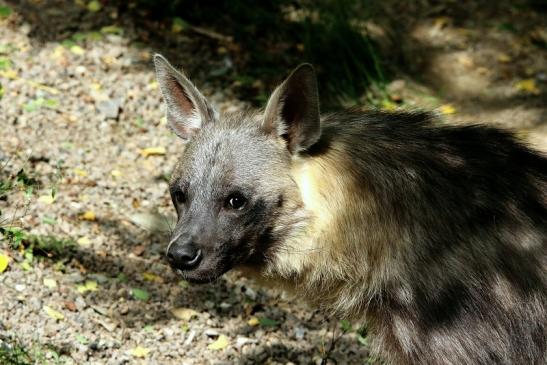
{"x": 80, "y": 116}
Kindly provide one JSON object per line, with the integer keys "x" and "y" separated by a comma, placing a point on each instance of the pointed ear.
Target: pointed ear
{"x": 293, "y": 110}
{"x": 187, "y": 109}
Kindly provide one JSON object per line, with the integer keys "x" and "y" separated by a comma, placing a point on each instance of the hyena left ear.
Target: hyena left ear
{"x": 187, "y": 108}
{"x": 293, "y": 110}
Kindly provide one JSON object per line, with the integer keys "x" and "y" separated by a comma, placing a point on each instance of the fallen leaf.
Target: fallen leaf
{"x": 82, "y": 339}
{"x": 221, "y": 342}
{"x": 528, "y": 85}
{"x": 112, "y": 29}
{"x": 148, "y": 276}
{"x": 447, "y": 109}
{"x": 80, "y": 172}
{"x": 140, "y": 294}
{"x": 71, "y": 306}
{"x": 94, "y": 6}
{"x": 140, "y": 352}
{"x": 116, "y": 173}
{"x": 4, "y": 262}
{"x": 77, "y": 50}
{"x": 89, "y": 285}
{"x": 46, "y": 199}
{"x": 84, "y": 241}
{"x": 184, "y": 313}
{"x": 53, "y": 313}
{"x": 152, "y": 151}
{"x": 151, "y": 221}
{"x": 504, "y": 58}
{"x": 5, "y": 11}
{"x": 179, "y": 25}
{"x": 267, "y": 322}
{"x": 253, "y": 321}
{"x": 89, "y": 216}
{"x": 50, "y": 283}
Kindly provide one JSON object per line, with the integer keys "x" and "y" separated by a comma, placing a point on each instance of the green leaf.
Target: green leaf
{"x": 5, "y": 11}
{"x": 121, "y": 278}
{"x": 346, "y": 325}
{"x": 5, "y": 63}
{"x": 112, "y": 29}
{"x": 140, "y": 294}
{"x": 267, "y": 322}
{"x": 179, "y": 25}
{"x": 94, "y": 6}
{"x": 49, "y": 220}
{"x": 184, "y": 284}
{"x": 82, "y": 339}
{"x": 33, "y": 105}
{"x": 67, "y": 43}
{"x": 362, "y": 340}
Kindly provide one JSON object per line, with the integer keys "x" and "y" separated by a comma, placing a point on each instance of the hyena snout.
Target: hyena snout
{"x": 184, "y": 254}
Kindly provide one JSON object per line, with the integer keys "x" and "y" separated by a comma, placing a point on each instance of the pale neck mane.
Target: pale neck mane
{"x": 339, "y": 258}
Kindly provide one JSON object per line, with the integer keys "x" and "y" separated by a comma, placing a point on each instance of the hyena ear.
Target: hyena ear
{"x": 187, "y": 108}
{"x": 293, "y": 110}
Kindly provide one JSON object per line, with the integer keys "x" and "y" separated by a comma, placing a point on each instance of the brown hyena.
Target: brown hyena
{"x": 434, "y": 235}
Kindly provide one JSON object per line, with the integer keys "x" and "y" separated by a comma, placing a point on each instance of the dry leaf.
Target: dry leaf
{"x": 253, "y": 321}
{"x": 4, "y": 262}
{"x": 116, "y": 173}
{"x": 80, "y": 172}
{"x": 71, "y": 306}
{"x": 140, "y": 352}
{"x": 151, "y": 221}
{"x": 84, "y": 241}
{"x": 528, "y": 85}
{"x": 184, "y": 313}
{"x": 90, "y": 285}
{"x": 89, "y": 216}
{"x": 447, "y": 109}
{"x": 504, "y": 58}
{"x": 77, "y": 50}
{"x": 50, "y": 283}
{"x": 148, "y": 276}
{"x": 221, "y": 343}
{"x": 152, "y": 151}
{"x": 46, "y": 199}
{"x": 53, "y": 313}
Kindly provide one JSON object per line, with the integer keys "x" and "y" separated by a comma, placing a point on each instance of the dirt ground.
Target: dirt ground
{"x": 82, "y": 114}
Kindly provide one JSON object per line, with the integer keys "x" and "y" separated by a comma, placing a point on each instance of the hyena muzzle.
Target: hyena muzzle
{"x": 434, "y": 235}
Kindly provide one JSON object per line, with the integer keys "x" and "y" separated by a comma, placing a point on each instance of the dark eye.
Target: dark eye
{"x": 180, "y": 197}
{"x": 236, "y": 201}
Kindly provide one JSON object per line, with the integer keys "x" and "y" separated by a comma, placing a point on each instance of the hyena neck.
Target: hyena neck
{"x": 324, "y": 259}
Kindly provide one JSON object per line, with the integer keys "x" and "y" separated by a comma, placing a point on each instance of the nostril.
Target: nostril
{"x": 193, "y": 260}
{"x": 184, "y": 256}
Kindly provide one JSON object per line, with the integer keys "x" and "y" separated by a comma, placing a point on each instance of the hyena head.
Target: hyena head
{"x": 232, "y": 187}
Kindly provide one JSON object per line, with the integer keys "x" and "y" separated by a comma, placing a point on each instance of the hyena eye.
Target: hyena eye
{"x": 180, "y": 197}
{"x": 236, "y": 201}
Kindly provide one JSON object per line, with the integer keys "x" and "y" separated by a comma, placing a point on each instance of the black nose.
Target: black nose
{"x": 184, "y": 256}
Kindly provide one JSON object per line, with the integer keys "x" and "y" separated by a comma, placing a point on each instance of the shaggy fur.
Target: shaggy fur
{"x": 434, "y": 235}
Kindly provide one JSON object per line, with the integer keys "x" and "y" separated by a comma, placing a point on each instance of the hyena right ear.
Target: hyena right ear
{"x": 187, "y": 108}
{"x": 293, "y": 110}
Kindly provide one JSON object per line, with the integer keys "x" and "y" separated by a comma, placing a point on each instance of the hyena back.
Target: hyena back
{"x": 434, "y": 235}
